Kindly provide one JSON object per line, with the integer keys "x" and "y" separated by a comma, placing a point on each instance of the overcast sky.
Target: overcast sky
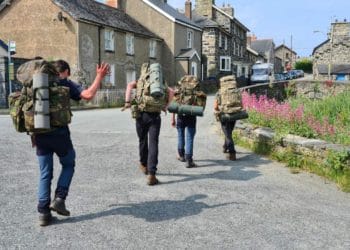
{"x": 291, "y": 22}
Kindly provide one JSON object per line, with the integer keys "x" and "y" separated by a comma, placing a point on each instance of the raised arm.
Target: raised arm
{"x": 101, "y": 71}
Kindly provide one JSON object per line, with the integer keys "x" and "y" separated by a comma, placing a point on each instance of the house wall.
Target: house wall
{"x": 161, "y": 26}
{"x": 22, "y": 22}
{"x": 281, "y": 52}
{"x": 335, "y": 51}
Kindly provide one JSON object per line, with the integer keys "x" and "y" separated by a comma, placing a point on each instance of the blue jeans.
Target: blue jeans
{"x": 46, "y": 174}
{"x": 185, "y": 144}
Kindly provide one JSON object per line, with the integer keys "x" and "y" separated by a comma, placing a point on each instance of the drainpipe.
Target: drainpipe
{"x": 99, "y": 44}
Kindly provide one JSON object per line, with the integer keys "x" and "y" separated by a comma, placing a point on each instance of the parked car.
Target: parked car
{"x": 300, "y": 72}
{"x": 279, "y": 77}
{"x": 287, "y": 76}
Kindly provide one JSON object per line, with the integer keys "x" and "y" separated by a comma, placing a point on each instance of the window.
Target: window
{"x": 194, "y": 68}
{"x": 189, "y": 39}
{"x": 152, "y": 48}
{"x": 129, "y": 44}
{"x": 109, "y": 40}
{"x": 225, "y": 42}
{"x": 234, "y": 48}
{"x": 225, "y": 63}
{"x": 130, "y": 76}
{"x": 110, "y": 79}
{"x": 220, "y": 40}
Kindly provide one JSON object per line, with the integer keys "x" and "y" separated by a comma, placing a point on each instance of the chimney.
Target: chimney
{"x": 188, "y": 9}
{"x": 205, "y": 8}
{"x": 228, "y": 10}
{"x": 249, "y": 40}
{"x": 112, "y": 3}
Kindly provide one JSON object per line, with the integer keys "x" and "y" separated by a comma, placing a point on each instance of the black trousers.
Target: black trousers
{"x": 148, "y": 128}
{"x": 227, "y": 128}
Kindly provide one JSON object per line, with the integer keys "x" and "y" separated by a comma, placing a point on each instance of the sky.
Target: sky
{"x": 292, "y": 22}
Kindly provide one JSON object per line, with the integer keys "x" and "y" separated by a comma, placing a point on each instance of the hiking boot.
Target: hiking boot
{"x": 224, "y": 149}
{"x": 181, "y": 158}
{"x": 143, "y": 169}
{"x": 152, "y": 180}
{"x": 45, "y": 219}
{"x": 231, "y": 156}
{"x": 58, "y": 205}
{"x": 190, "y": 164}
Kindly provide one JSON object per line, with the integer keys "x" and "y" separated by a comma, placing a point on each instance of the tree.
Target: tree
{"x": 304, "y": 64}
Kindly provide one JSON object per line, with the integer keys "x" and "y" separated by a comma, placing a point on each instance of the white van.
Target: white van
{"x": 261, "y": 73}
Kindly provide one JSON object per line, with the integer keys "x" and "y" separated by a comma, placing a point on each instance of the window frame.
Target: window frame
{"x": 110, "y": 78}
{"x": 152, "y": 48}
{"x": 190, "y": 38}
{"x": 130, "y": 44}
{"x": 109, "y": 40}
{"x": 227, "y": 63}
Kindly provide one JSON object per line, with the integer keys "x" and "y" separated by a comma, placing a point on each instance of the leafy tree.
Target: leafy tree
{"x": 304, "y": 64}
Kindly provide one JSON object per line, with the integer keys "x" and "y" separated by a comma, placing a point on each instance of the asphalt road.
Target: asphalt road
{"x": 253, "y": 203}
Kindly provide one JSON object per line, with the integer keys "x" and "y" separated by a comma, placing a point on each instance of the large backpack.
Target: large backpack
{"x": 229, "y": 97}
{"x": 188, "y": 92}
{"x": 22, "y": 104}
{"x": 146, "y": 101}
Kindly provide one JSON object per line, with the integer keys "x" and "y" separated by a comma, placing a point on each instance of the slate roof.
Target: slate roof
{"x": 187, "y": 53}
{"x": 3, "y": 44}
{"x": 286, "y": 47}
{"x": 335, "y": 69}
{"x": 262, "y": 46}
{"x": 166, "y": 8}
{"x": 101, "y": 14}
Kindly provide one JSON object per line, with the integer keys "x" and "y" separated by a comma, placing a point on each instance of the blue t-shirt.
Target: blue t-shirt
{"x": 58, "y": 141}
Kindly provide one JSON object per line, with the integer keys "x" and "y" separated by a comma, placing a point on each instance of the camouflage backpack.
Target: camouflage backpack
{"x": 145, "y": 101}
{"x": 229, "y": 97}
{"x": 188, "y": 92}
{"x": 22, "y": 103}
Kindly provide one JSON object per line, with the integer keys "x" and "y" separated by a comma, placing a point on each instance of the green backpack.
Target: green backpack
{"x": 22, "y": 103}
{"x": 229, "y": 97}
{"x": 188, "y": 92}
{"x": 144, "y": 99}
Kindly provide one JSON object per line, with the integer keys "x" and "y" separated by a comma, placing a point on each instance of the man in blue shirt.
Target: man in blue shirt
{"x": 59, "y": 142}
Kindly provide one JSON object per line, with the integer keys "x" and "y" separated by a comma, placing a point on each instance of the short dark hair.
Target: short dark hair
{"x": 61, "y": 66}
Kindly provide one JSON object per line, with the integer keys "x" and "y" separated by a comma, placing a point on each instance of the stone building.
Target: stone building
{"x": 331, "y": 59}
{"x": 82, "y": 32}
{"x": 287, "y": 56}
{"x": 265, "y": 48}
{"x": 181, "y": 51}
{"x": 224, "y": 40}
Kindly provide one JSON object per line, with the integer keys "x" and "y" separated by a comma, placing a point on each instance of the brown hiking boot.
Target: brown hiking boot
{"x": 58, "y": 205}
{"x": 181, "y": 158}
{"x": 45, "y": 219}
{"x": 152, "y": 180}
{"x": 231, "y": 156}
{"x": 143, "y": 169}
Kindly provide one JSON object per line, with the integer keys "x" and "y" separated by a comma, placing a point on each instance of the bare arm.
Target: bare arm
{"x": 101, "y": 71}
{"x": 216, "y": 105}
{"x": 129, "y": 87}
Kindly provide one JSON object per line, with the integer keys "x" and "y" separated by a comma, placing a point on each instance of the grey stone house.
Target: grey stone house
{"x": 287, "y": 56}
{"x": 265, "y": 48}
{"x": 224, "y": 40}
{"x": 331, "y": 59}
{"x": 82, "y": 32}
{"x": 181, "y": 51}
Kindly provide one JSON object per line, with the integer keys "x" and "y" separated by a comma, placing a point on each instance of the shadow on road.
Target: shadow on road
{"x": 153, "y": 211}
{"x": 239, "y": 170}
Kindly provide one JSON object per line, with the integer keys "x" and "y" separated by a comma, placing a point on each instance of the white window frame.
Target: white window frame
{"x": 110, "y": 78}
{"x": 109, "y": 36}
{"x": 152, "y": 48}
{"x": 190, "y": 37}
{"x": 129, "y": 41}
{"x": 226, "y": 42}
{"x": 220, "y": 40}
{"x": 194, "y": 69}
{"x": 234, "y": 47}
{"x": 227, "y": 61}
{"x": 130, "y": 75}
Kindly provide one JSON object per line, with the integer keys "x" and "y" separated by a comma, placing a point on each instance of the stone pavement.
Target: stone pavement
{"x": 253, "y": 203}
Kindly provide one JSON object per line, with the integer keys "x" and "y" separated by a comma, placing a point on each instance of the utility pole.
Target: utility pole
{"x": 291, "y": 53}
{"x": 9, "y": 63}
{"x": 330, "y": 54}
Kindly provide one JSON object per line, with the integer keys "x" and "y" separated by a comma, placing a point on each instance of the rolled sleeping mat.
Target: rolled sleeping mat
{"x": 173, "y": 107}
{"x": 234, "y": 116}
{"x": 156, "y": 80}
{"x": 190, "y": 110}
{"x": 41, "y": 101}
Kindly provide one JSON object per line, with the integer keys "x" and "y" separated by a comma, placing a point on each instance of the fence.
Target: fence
{"x": 108, "y": 97}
